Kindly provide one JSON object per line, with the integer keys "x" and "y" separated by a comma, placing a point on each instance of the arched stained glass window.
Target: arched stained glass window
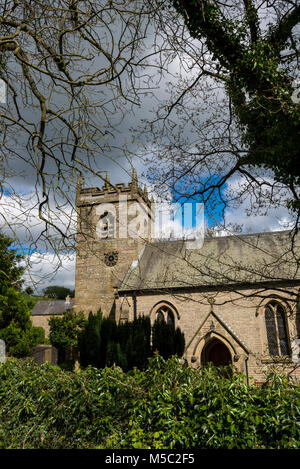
{"x": 271, "y": 331}
{"x": 276, "y": 329}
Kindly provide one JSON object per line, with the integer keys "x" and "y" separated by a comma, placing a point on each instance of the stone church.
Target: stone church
{"x": 235, "y": 297}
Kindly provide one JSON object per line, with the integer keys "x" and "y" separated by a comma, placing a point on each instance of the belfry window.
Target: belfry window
{"x": 276, "y": 328}
{"x": 164, "y": 313}
{"x": 107, "y": 225}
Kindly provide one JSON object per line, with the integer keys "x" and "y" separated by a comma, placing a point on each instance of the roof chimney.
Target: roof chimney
{"x": 68, "y": 298}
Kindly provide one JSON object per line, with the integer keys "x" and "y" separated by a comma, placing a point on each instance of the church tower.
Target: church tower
{"x": 114, "y": 223}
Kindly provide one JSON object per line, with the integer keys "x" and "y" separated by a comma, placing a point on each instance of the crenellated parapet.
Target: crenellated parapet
{"x": 107, "y": 193}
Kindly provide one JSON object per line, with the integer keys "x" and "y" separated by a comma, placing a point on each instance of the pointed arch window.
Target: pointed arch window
{"x": 276, "y": 329}
{"x": 165, "y": 314}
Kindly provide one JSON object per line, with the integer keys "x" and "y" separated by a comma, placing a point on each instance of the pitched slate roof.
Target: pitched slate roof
{"x": 47, "y": 308}
{"x": 238, "y": 259}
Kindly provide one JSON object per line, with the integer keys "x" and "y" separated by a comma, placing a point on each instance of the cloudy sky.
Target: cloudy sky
{"x": 109, "y": 142}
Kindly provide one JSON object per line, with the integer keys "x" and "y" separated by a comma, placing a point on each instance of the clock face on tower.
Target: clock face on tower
{"x": 111, "y": 258}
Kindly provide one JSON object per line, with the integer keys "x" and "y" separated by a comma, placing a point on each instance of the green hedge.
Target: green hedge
{"x": 167, "y": 406}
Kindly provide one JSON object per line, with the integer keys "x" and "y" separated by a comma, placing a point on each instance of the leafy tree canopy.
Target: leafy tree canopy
{"x": 58, "y": 292}
{"x": 15, "y": 323}
{"x": 258, "y": 61}
{"x": 10, "y": 269}
{"x": 64, "y": 331}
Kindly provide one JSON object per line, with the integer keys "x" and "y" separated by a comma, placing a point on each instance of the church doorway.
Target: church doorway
{"x": 217, "y": 353}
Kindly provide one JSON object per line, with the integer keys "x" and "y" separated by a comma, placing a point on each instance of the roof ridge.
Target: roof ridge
{"x": 233, "y": 235}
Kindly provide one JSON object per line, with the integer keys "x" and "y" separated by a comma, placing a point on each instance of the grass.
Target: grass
{"x": 32, "y": 299}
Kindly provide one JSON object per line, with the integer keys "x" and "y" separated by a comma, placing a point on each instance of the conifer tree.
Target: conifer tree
{"x": 179, "y": 342}
{"x": 116, "y": 356}
{"x": 108, "y": 334}
{"x": 104, "y": 343}
{"x": 89, "y": 341}
{"x": 166, "y": 340}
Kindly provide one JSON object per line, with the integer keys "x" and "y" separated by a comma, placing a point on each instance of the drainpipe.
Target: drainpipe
{"x": 134, "y": 305}
{"x": 246, "y": 368}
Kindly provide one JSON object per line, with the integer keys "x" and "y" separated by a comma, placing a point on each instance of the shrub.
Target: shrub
{"x": 167, "y": 406}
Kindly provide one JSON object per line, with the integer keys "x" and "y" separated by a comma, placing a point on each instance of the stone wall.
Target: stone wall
{"x": 44, "y": 354}
{"x": 101, "y": 263}
{"x": 42, "y": 321}
{"x": 235, "y": 318}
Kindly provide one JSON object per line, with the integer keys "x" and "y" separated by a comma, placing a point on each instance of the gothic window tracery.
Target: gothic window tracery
{"x": 164, "y": 313}
{"x": 276, "y": 329}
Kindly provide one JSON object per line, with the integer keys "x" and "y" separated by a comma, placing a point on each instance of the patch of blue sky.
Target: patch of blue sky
{"x": 192, "y": 203}
{"x": 7, "y": 192}
{"x": 23, "y": 249}
{"x": 17, "y": 190}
